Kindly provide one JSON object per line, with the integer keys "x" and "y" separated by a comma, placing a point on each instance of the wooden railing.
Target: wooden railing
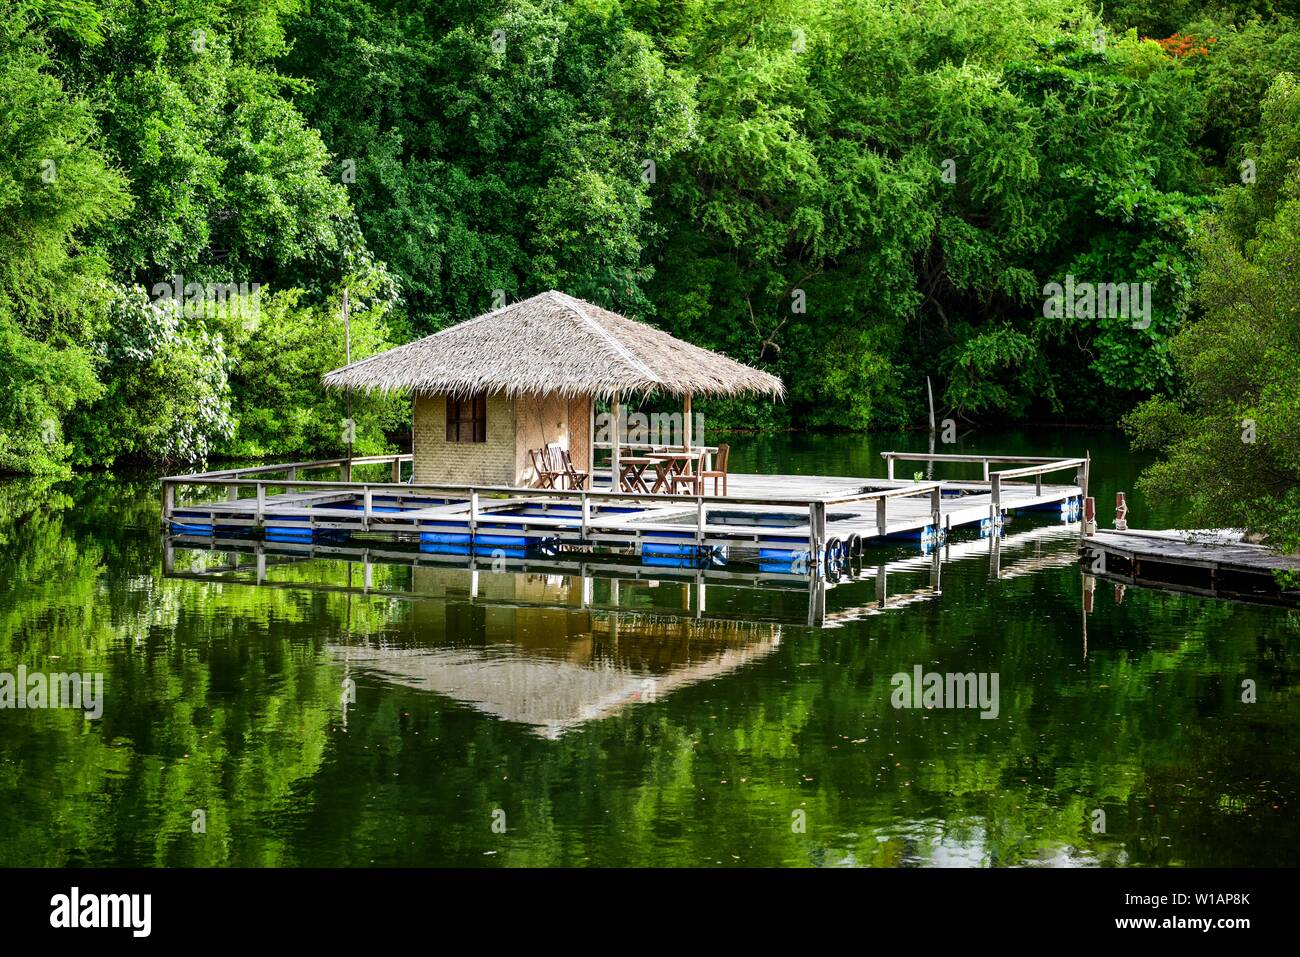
{"x": 1037, "y": 466}
{"x": 256, "y": 480}
{"x": 259, "y": 479}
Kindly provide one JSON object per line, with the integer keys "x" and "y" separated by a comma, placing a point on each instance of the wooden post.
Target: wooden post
{"x": 232, "y": 493}
{"x": 366, "y": 502}
{"x": 261, "y": 503}
{"x": 816, "y": 534}
{"x": 473, "y": 513}
{"x": 586, "y": 515}
{"x": 1089, "y": 506}
{"x": 591, "y": 443}
{"x": 882, "y": 522}
{"x": 616, "y": 437}
{"x": 986, "y": 470}
{"x": 168, "y": 501}
{"x": 995, "y": 502}
{"x": 397, "y": 470}
{"x": 700, "y": 518}
{"x": 686, "y": 423}
{"x": 889, "y": 463}
{"x": 936, "y": 509}
{"x": 347, "y": 361}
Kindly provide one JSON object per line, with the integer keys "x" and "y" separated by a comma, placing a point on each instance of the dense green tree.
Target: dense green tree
{"x": 55, "y": 186}
{"x": 1231, "y": 437}
{"x": 859, "y": 200}
{"x": 495, "y": 146}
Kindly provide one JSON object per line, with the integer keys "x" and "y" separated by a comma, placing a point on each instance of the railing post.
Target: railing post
{"x": 986, "y": 470}
{"x": 473, "y": 513}
{"x": 261, "y": 503}
{"x": 995, "y": 502}
{"x": 168, "y": 501}
{"x": 882, "y": 521}
{"x": 699, "y": 520}
{"x": 366, "y": 502}
{"x": 816, "y": 535}
{"x": 1038, "y": 483}
{"x": 586, "y": 515}
{"x": 397, "y": 469}
{"x": 936, "y": 508}
{"x": 232, "y": 493}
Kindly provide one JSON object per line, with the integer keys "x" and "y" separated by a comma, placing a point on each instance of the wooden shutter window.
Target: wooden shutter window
{"x": 467, "y": 419}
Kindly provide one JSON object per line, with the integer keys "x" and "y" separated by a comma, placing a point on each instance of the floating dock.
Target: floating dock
{"x": 1216, "y": 564}
{"x": 794, "y": 522}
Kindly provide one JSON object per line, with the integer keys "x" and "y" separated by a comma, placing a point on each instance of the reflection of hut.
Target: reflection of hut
{"x": 528, "y": 375}
{"x": 554, "y": 688}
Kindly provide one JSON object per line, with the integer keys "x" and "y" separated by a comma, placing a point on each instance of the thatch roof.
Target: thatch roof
{"x": 553, "y": 344}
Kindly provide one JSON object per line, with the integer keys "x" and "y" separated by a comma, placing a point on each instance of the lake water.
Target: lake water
{"x": 451, "y": 717}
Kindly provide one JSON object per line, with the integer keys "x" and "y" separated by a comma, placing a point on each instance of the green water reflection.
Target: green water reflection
{"x": 665, "y": 733}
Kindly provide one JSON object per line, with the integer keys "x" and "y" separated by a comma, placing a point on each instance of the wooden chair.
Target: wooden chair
{"x": 545, "y": 467}
{"x": 577, "y": 478}
{"x": 696, "y": 482}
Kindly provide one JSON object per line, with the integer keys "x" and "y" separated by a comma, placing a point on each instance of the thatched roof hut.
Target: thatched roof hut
{"x": 489, "y": 390}
{"x": 553, "y": 344}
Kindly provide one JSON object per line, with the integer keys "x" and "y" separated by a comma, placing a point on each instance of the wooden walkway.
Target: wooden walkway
{"x": 773, "y": 518}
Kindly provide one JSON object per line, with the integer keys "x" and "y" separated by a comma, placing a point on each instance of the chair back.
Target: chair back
{"x": 720, "y": 464}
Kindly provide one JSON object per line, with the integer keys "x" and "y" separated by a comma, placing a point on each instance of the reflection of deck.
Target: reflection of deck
{"x": 795, "y": 518}
{"x": 554, "y": 643}
{"x": 733, "y": 594}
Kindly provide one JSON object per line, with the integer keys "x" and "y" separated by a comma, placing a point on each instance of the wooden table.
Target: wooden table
{"x": 676, "y": 463}
{"x": 632, "y": 470}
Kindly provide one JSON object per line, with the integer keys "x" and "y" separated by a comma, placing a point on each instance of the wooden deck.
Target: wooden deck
{"x": 1213, "y": 564}
{"x": 789, "y": 519}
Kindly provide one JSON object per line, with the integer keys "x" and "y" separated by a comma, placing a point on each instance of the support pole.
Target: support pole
{"x": 616, "y": 439}
{"x": 347, "y": 360}
{"x": 591, "y": 443}
{"x": 686, "y": 423}
{"x": 168, "y": 502}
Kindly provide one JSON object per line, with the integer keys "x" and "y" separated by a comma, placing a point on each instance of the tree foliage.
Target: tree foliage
{"x": 857, "y": 195}
{"x": 1231, "y": 437}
